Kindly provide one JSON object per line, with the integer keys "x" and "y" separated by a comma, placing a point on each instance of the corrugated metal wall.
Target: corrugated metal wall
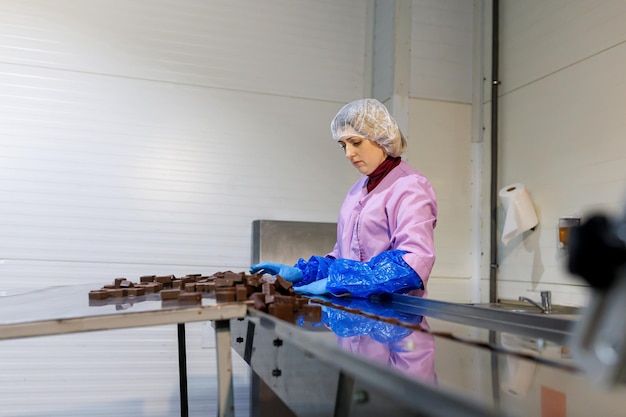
{"x": 143, "y": 138}
{"x": 116, "y": 153}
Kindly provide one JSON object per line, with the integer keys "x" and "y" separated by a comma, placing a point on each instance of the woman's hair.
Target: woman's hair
{"x": 370, "y": 119}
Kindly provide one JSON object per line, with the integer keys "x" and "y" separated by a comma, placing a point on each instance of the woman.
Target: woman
{"x": 385, "y": 230}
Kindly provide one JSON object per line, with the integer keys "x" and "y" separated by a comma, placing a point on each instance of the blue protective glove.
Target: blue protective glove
{"x": 315, "y": 288}
{"x": 289, "y": 273}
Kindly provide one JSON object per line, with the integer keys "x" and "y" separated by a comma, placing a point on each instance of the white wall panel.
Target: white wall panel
{"x": 441, "y": 50}
{"x": 450, "y": 289}
{"x": 562, "y": 130}
{"x": 99, "y": 176}
{"x": 441, "y": 45}
{"x": 540, "y": 38}
{"x": 439, "y": 145}
{"x": 383, "y": 45}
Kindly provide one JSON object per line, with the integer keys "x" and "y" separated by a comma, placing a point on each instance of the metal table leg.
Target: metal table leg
{"x": 226, "y": 407}
{"x": 182, "y": 370}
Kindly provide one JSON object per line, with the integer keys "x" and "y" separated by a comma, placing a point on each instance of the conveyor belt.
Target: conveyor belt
{"x": 314, "y": 377}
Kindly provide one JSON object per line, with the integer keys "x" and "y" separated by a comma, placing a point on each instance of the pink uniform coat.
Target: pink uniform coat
{"x": 399, "y": 214}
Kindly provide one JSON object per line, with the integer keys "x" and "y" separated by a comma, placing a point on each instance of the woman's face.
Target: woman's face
{"x": 364, "y": 154}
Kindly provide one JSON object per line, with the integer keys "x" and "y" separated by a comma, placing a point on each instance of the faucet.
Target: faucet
{"x": 546, "y": 301}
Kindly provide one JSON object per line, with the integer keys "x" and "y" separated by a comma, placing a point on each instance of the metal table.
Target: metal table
{"x": 67, "y": 309}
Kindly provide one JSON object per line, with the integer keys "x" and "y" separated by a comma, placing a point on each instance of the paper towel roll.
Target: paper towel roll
{"x": 519, "y": 210}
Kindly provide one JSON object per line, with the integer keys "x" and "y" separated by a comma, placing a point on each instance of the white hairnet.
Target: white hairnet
{"x": 370, "y": 119}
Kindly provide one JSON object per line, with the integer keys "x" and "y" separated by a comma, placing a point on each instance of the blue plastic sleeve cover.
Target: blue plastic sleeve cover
{"x": 313, "y": 269}
{"x": 384, "y": 273}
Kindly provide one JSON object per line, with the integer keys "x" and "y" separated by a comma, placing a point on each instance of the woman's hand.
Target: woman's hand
{"x": 315, "y": 288}
{"x": 289, "y": 273}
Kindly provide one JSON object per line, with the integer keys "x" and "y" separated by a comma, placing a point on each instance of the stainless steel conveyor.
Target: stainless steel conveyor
{"x": 373, "y": 357}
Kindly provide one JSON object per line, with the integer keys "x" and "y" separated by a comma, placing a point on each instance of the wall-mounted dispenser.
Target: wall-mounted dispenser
{"x": 519, "y": 211}
{"x": 566, "y": 224}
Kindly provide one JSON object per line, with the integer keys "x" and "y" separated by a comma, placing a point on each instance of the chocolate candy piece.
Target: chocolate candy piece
{"x": 98, "y": 295}
{"x": 300, "y": 300}
{"x": 136, "y": 292}
{"x": 115, "y": 292}
{"x": 190, "y": 297}
{"x": 126, "y": 284}
{"x": 259, "y": 301}
{"x": 253, "y": 281}
{"x": 311, "y": 313}
{"x": 286, "y": 299}
{"x": 164, "y": 280}
{"x": 225, "y": 295}
{"x": 170, "y": 294}
{"x": 241, "y": 293}
{"x": 237, "y": 278}
{"x": 282, "y": 285}
{"x": 224, "y": 282}
{"x": 151, "y": 287}
{"x": 281, "y": 311}
{"x": 186, "y": 280}
{"x": 228, "y": 286}
{"x": 268, "y": 290}
{"x": 206, "y": 286}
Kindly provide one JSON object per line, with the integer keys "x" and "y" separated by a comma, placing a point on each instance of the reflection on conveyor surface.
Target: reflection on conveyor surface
{"x": 385, "y": 316}
{"x": 409, "y": 351}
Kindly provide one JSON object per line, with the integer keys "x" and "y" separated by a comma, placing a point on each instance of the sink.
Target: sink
{"x": 523, "y": 307}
